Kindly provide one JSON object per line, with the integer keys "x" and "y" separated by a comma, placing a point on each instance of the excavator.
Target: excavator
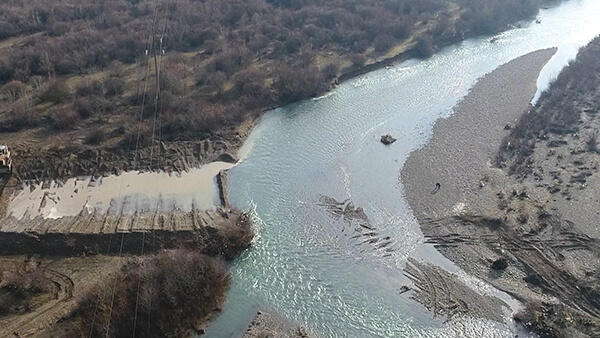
{"x": 5, "y": 160}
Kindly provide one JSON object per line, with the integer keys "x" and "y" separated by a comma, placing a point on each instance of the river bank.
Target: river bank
{"x": 481, "y": 218}
{"x": 270, "y": 325}
{"x": 220, "y": 74}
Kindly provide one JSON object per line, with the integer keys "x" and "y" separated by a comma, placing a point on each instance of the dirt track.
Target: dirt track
{"x": 70, "y": 277}
{"x": 468, "y": 183}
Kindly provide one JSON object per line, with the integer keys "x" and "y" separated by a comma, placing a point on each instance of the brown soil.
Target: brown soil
{"x": 70, "y": 278}
{"x": 41, "y": 155}
{"x": 90, "y": 243}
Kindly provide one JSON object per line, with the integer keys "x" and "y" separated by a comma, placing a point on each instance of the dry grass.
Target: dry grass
{"x": 558, "y": 111}
{"x": 20, "y": 285}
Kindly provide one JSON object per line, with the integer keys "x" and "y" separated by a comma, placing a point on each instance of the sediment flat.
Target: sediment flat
{"x": 460, "y": 157}
{"x": 461, "y": 150}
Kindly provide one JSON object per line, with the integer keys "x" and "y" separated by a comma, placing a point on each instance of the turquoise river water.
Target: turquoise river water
{"x": 304, "y": 264}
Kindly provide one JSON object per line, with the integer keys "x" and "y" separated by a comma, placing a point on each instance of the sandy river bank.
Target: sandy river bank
{"x": 462, "y": 216}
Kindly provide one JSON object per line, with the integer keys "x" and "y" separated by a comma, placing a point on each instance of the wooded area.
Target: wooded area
{"x": 80, "y": 65}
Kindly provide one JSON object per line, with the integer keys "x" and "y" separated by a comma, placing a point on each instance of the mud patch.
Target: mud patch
{"x": 126, "y": 193}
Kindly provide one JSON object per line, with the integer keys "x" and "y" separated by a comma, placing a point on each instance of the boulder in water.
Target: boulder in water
{"x": 387, "y": 139}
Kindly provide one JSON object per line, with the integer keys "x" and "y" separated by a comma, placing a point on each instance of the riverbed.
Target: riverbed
{"x": 306, "y": 264}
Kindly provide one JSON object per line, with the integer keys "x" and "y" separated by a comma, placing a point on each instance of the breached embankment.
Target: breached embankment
{"x": 459, "y": 157}
{"x": 144, "y": 210}
{"x": 93, "y": 233}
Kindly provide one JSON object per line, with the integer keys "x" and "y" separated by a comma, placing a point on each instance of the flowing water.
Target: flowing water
{"x": 305, "y": 264}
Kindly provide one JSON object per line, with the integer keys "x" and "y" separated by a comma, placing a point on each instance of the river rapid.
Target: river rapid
{"x": 307, "y": 265}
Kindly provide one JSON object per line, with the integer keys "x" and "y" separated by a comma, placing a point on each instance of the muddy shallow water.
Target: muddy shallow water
{"x": 308, "y": 264}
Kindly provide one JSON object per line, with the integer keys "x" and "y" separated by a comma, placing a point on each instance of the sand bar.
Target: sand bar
{"x": 460, "y": 152}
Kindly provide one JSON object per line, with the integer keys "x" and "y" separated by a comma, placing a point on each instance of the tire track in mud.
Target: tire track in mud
{"x": 531, "y": 251}
{"x": 445, "y": 295}
{"x": 87, "y": 233}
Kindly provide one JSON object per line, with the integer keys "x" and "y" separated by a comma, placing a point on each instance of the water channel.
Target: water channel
{"x": 304, "y": 263}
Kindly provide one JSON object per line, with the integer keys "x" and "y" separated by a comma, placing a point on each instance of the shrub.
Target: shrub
{"x": 114, "y": 86}
{"x": 66, "y": 65}
{"x": 251, "y": 82}
{"x": 17, "y": 121}
{"x": 212, "y": 47}
{"x": 358, "y": 59}
{"x": 56, "y": 92}
{"x": 232, "y": 239}
{"x": 19, "y": 284}
{"x": 63, "y": 118}
{"x": 425, "y": 46}
{"x": 293, "y": 84}
{"x": 330, "y": 71}
{"x": 177, "y": 289}
{"x": 14, "y": 90}
{"x": 89, "y": 88}
{"x": 84, "y": 107}
{"x": 172, "y": 79}
{"x": 25, "y": 276}
{"x": 383, "y": 42}
{"x": 6, "y": 71}
{"x": 95, "y": 136}
{"x": 231, "y": 60}
{"x": 212, "y": 80}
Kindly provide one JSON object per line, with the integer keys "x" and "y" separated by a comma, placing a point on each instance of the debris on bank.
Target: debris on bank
{"x": 267, "y": 325}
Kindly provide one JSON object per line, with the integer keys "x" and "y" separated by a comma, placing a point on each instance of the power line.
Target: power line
{"x": 158, "y": 102}
{"x": 98, "y": 299}
{"x": 137, "y": 296}
{"x": 158, "y": 65}
{"x": 151, "y": 42}
{"x": 112, "y": 299}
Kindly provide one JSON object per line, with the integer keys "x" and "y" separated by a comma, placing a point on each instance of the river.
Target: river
{"x": 304, "y": 263}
